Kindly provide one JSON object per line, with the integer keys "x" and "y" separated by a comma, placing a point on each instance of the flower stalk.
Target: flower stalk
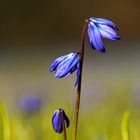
{"x": 77, "y": 107}
{"x": 63, "y": 125}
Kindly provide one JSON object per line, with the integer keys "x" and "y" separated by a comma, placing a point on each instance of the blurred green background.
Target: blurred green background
{"x": 34, "y": 33}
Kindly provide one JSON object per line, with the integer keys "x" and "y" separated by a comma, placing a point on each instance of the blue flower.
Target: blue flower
{"x": 30, "y": 104}
{"x": 57, "y": 121}
{"x": 99, "y": 28}
{"x": 66, "y": 65}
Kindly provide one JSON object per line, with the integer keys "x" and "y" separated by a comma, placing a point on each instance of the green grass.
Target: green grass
{"x": 107, "y": 122}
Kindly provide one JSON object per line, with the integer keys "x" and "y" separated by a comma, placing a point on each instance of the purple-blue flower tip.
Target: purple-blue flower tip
{"x": 99, "y": 28}
{"x": 65, "y": 65}
{"x": 57, "y": 121}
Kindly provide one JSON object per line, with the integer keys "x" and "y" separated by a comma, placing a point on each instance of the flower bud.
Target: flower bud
{"x": 57, "y": 120}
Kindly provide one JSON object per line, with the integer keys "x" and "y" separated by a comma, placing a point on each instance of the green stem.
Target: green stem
{"x": 80, "y": 79}
{"x": 63, "y": 124}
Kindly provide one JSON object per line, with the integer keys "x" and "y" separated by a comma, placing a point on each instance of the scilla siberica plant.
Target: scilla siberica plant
{"x": 97, "y": 29}
{"x": 58, "y": 122}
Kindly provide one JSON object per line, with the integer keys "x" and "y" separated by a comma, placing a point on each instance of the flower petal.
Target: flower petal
{"x": 95, "y": 37}
{"x": 72, "y": 70}
{"x": 55, "y": 63}
{"x": 66, "y": 120}
{"x": 77, "y": 75}
{"x": 108, "y": 32}
{"x": 67, "y": 66}
{"x": 104, "y": 22}
{"x": 57, "y": 122}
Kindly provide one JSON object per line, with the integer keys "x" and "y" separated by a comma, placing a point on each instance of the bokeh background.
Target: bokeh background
{"x": 34, "y": 33}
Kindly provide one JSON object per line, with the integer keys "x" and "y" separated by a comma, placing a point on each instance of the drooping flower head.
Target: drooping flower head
{"x": 30, "y": 104}
{"x": 57, "y": 121}
{"x": 66, "y": 65}
{"x": 99, "y": 28}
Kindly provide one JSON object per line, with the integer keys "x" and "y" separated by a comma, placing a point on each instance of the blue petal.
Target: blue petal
{"x": 57, "y": 61}
{"x": 108, "y": 32}
{"x": 104, "y": 22}
{"x": 95, "y": 37}
{"x": 66, "y": 66}
{"x": 66, "y": 120}
{"x": 57, "y": 121}
{"x": 77, "y": 75}
{"x": 72, "y": 70}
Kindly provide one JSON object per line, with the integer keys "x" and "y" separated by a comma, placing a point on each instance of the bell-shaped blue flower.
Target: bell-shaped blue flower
{"x": 65, "y": 65}
{"x": 57, "y": 120}
{"x": 99, "y": 28}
